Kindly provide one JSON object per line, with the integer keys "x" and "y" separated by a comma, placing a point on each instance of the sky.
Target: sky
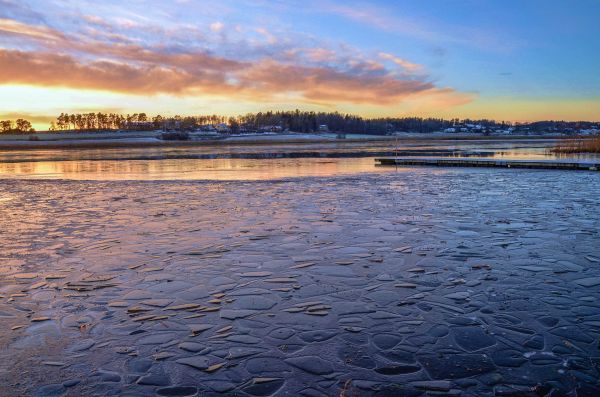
{"x": 514, "y": 60}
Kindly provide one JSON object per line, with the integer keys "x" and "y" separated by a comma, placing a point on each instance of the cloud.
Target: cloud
{"x": 321, "y": 54}
{"x": 113, "y": 56}
{"x": 271, "y": 39}
{"x": 370, "y": 15}
{"x": 264, "y": 79}
{"x": 441, "y": 99}
{"x": 13, "y": 27}
{"x": 434, "y": 32}
{"x": 320, "y": 84}
{"x": 18, "y": 8}
{"x": 217, "y": 26}
{"x": 408, "y": 66}
{"x": 33, "y": 118}
{"x": 17, "y": 67}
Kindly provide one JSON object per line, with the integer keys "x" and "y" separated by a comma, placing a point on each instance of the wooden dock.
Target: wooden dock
{"x": 484, "y": 162}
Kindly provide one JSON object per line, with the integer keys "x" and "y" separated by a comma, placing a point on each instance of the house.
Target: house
{"x": 323, "y": 128}
{"x": 247, "y": 128}
{"x": 271, "y": 128}
{"x": 207, "y": 128}
{"x": 222, "y": 128}
{"x": 139, "y": 125}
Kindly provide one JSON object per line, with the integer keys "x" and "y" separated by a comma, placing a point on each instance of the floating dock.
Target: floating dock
{"x": 486, "y": 162}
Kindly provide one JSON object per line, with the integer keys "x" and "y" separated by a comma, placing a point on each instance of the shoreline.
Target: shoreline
{"x": 112, "y": 140}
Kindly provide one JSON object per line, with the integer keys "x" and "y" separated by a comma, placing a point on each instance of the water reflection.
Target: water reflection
{"x": 282, "y": 160}
{"x": 332, "y": 149}
{"x": 186, "y": 169}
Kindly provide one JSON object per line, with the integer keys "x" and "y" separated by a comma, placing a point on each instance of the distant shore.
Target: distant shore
{"x": 102, "y": 140}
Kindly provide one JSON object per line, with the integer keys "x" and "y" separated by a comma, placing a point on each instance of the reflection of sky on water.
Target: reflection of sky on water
{"x": 5, "y": 198}
{"x": 538, "y": 146}
{"x": 170, "y": 163}
{"x": 185, "y": 169}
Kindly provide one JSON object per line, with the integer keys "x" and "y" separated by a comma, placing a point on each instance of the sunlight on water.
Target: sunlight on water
{"x": 186, "y": 169}
{"x": 239, "y": 162}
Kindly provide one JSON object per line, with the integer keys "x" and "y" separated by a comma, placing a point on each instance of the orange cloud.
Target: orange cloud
{"x": 45, "y": 69}
{"x": 316, "y": 76}
{"x": 440, "y": 99}
{"x": 320, "y": 54}
{"x": 408, "y": 66}
{"x": 261, "y": 80}
{"x": 33, "y": 118}
{"x": 319, "y": 84}
{"x": 10, "y": 26}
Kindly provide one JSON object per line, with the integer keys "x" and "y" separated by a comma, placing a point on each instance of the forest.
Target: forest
{"x": 279, "y": 121}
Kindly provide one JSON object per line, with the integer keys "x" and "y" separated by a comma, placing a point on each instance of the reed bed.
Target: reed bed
{"x": 578, "y": 145}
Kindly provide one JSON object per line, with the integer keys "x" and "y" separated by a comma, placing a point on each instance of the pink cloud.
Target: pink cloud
{"x": 102, "y": 58}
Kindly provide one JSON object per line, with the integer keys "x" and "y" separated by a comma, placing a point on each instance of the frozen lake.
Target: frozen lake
{"x": 343, "y": 279}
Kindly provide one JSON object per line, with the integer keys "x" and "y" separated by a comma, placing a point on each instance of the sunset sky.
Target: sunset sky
{"x": 509, "y": 60}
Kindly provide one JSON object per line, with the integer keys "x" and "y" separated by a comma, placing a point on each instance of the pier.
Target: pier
{"x": 486, "y": 162}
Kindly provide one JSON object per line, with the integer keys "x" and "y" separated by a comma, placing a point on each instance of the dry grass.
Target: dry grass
{"x": 579, "y": 145}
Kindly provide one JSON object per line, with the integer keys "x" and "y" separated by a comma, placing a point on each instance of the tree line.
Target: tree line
{"x": 130, "y": 122}
{"x": 18, "y": 126}
{"x": 296, "y": 121}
